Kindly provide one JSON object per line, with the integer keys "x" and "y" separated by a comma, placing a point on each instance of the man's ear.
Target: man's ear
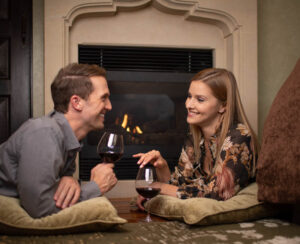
{"x": 76, "y": 102}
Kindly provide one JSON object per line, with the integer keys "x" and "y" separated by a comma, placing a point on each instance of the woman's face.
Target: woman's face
{"x": 203, "y": 108}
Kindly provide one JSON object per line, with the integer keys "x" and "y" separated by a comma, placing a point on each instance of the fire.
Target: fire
{"x": 136, "y": 129}
{"x": 125, "y": 121}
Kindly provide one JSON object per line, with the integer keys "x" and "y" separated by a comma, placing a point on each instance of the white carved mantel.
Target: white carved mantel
{"x": 227, "y": 26}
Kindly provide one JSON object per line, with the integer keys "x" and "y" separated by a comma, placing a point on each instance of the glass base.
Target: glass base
{"x": 148, "y": 218}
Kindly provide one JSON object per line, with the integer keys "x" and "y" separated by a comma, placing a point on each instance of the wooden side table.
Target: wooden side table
{"x": 132, "y": 215}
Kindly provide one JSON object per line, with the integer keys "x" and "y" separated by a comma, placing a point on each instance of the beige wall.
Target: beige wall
{"x": 278, "y": 48}
{"x": 38, "y": 87}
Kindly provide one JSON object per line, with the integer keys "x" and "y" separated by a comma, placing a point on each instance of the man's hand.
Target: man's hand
{"x": 67, "y": 193}
{"x": 104, "y": 176}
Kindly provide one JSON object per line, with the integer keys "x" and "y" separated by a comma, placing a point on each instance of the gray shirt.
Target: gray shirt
{"x": 33, "y": 160}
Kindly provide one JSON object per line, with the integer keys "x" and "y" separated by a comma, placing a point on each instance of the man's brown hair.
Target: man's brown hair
{"x": 74, "y": 79}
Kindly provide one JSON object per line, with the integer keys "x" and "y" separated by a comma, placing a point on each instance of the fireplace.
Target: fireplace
{"x": 224, "y": 28}
{"x": 148, "y": 90}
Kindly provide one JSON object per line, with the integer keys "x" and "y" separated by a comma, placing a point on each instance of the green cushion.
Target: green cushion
{"x": 96, "y": 214}
{"x": 204, "y": 211}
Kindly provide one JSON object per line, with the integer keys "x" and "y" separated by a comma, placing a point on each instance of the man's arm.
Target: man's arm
{"x": 102, "y": 180}
{"x": 40, "y": 161}
{"x": 67, "y": 193}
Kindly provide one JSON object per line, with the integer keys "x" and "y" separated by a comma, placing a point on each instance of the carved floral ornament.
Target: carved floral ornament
{"x": 191, "y": 9}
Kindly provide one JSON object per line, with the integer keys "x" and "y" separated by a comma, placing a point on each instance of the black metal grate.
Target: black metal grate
{"x": 147, "y": 58}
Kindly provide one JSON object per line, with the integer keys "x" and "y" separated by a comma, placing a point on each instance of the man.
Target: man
{"x": 37, "y": 162}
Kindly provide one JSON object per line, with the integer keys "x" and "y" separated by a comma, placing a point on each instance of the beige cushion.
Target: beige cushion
{"x": 96, "y": 214}
{"x": 204, "y": 211}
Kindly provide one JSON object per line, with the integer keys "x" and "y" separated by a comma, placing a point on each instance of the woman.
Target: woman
{"x": 218, "y": 157}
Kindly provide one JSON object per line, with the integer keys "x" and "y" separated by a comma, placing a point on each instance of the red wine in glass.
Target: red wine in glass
{"x": 148, "y": 192}
{"x": 111, "y": 147}
{"x": 147, "y": 185}
{"x": 110, "y": 157}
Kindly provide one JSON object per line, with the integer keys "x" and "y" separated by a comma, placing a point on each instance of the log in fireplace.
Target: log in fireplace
{"x": 148, "y": 90}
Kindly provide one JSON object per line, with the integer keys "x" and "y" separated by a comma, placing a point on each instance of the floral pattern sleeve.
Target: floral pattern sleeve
{"x": 232, "y": 172}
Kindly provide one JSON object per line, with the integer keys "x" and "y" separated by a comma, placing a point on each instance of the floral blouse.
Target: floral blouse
{"x": 221, "y": 181}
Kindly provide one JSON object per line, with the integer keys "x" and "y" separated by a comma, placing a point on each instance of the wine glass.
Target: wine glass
{"x": 111, "y": 147}
{"x": 147, "y": 185}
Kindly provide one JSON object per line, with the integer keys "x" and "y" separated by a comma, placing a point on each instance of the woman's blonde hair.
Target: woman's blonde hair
{"x": 224, "y": 87}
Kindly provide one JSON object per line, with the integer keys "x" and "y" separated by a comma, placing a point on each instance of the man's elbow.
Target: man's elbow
{"x": 40, "y": 210}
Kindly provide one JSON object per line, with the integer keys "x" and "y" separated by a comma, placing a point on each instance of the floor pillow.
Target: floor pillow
{"x": 205, "y": 211}
{"x": 96, "y": 214}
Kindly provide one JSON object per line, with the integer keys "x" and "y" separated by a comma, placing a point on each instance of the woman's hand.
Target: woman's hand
{"x": 154, "y": 157}
{"x": 140, "y": 201}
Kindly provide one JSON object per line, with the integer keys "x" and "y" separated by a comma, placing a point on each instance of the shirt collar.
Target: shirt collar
{"x": 71, "y": 141}
{"x": 211, "y": 139}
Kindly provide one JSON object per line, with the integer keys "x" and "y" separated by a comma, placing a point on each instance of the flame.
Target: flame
{"x": 138, "y": 130}
{"x": 125, "y": 121}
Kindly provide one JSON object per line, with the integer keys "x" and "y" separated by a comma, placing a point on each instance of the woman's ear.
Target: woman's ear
{"x": 76, "y": 102}
{"x": 222, "y": 108}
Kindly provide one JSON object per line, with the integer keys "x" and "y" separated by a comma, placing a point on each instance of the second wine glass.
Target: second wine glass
{"x": 111, "y": 147}
{"x": 147, "y": 185}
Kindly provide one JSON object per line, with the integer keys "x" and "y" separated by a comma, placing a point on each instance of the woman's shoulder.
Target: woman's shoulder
{"x": 239, "y": 128}
{"x": 239, "y": 133}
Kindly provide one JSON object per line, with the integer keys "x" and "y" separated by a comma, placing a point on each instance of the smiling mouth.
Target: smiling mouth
{"x": 192, "y": 113}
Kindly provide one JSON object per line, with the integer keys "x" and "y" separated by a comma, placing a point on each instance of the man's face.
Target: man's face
{"x": 97, "y": 104}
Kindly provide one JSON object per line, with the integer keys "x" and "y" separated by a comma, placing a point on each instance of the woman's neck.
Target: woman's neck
{"x": 210, "y": 130}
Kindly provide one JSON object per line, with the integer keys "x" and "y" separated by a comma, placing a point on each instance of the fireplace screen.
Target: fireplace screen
{"x": 148, "y": 108}
{"x": 144, "y": 119}
{"x": 149, "y": 119}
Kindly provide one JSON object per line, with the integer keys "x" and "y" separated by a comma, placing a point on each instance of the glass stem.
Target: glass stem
{"x": 148, "y": 218}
